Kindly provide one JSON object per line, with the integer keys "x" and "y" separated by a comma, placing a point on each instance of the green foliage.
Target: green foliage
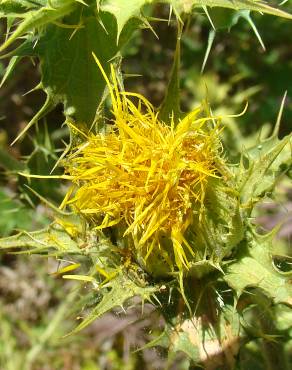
{"x": 255, "y": 5}
{"x": 63, "y": 34}
{"x": 254, "y": 268}
{"x": 67, "y": 65}
{"x": 263, "y": 168}
{"x": 207, "y": 316}
{"x": 119, "y": 290}
{"x": 53, "y": 237}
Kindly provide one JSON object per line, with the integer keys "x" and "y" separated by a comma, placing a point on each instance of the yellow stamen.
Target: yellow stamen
{"x": 145, "y": 177}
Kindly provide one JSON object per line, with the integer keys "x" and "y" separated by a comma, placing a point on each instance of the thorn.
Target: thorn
{"x": 147, "y": 24}
{"x": 170, "y": 14}
{"x": 65, "y": 152}
{"x": 208, "y": 15}
{"x": 102, "y": 25}
{"x": 14, "y": 60}
{"x": 44, "y": 109}
{"x": 45, "y": 201}
{"x": 211, "y": 38}
{"x": 123, "y": 309}
{"x": 81, "y": 2}
{"x": 156, "y": 299}
{"x": 37, "y": 87}
{"x": 247, "y": 17}
{"x": 279, "y": 117}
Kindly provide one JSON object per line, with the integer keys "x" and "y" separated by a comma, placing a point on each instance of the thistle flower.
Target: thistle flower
{"x": 148, "y": 179}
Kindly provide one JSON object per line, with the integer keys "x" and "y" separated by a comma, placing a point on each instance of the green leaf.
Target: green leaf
{"x": 64, "y": 45}
{"x": 253, "y": 267}
{"x": 263, "y": 169}
{"x": 69, "y": 72}
{"x": 120, "y": 289}
{"x": 8, "y": 7}
{"x": 123, "y": 10}
{"x": 38, "y": 18}
{"x": 54, "y": 237}
{"x": 256, "y": 5}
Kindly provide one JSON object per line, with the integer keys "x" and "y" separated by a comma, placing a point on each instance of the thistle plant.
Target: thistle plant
{"x": 154, "y": 206}
{"x": 151, "y": 181}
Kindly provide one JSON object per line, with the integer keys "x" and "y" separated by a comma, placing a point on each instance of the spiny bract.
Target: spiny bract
{"x": 146, "y": 178}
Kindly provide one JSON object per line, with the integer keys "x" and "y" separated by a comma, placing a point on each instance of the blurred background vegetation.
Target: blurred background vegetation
{"x": 32, "y": 302}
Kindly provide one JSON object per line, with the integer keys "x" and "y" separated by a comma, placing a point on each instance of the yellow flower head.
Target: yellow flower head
{"x": 145, "y": 177}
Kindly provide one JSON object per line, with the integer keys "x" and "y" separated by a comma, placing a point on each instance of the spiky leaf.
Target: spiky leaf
{"x": 123, "y": 10}
{"x": 255, "y": 5}
{"x": 53, "y": 238}
{"x": 253, "y": 267}
{"x": 261, "y": 166}
{"x": 40, "y": 17}
{"x": 120, "y": 289}
{"x": 69, "y": 72}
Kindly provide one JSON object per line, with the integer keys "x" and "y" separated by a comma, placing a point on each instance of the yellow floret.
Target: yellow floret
{"x": 144, "y": 176}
